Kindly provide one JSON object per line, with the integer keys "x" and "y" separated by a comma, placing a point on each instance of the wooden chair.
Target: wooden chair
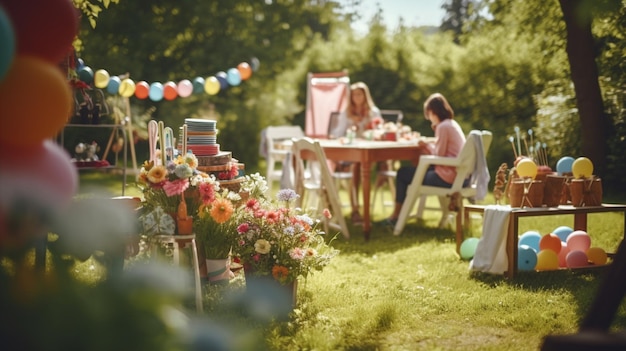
{"x": 465, "y": 163}
{"x": 276, "y": 155}
{"x": 319, "y": 184}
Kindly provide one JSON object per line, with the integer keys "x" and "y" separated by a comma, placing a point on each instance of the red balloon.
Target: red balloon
{"x": 35, "y": 102}
{"x": 170, "y": 91}
{"x": 142, "y": 90}
{"x": 550, "y": 242}
{"x": 43, "y": 28}
{"x": 244, "y": 70}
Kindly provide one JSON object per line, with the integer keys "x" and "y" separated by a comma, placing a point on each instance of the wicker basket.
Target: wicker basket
{"x": 526, "y": 192}
{"x": 586, "y": 192}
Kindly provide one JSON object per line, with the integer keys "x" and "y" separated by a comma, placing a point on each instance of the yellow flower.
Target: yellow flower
{"x": 157, "y": 174}
{"x": 221, "y": 210}
{"x": 262, "y": 246}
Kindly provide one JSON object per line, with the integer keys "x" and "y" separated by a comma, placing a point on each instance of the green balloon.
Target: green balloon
{"x": 86, "y": 75}
{"x": 468, "y": 248}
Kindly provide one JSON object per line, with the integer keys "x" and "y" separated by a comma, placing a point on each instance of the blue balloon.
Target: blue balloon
{"x": 564, "y": 165}
{"x": 530, "y": 238}
{"x": 563, "y": 232}
{"x": 156, "y": 91}
{"x": 221, "y": 77}
{"x": 198, "y": 85}
{"x": 114, "y": 85}
{"x": 86, "y": 75}
{"x": 526, "y": 258}
{"x": 233, "y": 77}
{"x": 7, "y": 43}
{"x": 80, "y": 64}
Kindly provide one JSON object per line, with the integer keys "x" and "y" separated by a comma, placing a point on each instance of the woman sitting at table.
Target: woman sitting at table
{"x": 360, "y": 115}
{"x": 449, "y": 140}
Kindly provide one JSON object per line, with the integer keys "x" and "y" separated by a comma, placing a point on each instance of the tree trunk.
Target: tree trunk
{"x": 584, "y": 72}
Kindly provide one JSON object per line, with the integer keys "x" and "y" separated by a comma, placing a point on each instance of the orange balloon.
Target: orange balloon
{"x": 142, "y": 90}
{"x": 170, "y": 91}
{"x": 550, "y": 241}
{"x": 35, "y": 102}
{"x": 244, "y": 70}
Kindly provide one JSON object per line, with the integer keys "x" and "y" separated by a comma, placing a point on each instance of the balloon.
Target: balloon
{"x": 221, "y": 77}
{"x": 80, "y": 64}
{"x": 255, "y": 63}
{"x": 156, "y": 91}
{"x": 142, "y": 90}
{"x": 85, "y": 74}
{"x": 530, "y": 238}
{"x": 547, "y": 260}
{"x": 41, "y": 174}
{"x": 550, "y": 242}
{"x": 564, "y": 165}
{"x": 527, "y": 168}
{"x": 576, "y": 259}
{"x": 198, "y": 85}
{"x": 579, "y": 240}
{"x": 563, "y": 255}
{"x": 244, "y": 70}
{"x": 563, "y": 232}
{"x": 468, "y": 248}
{"x": 35, "y": 102}
{"x": 127, "y": 88}
{"x": 169, "y": 91}
{"x": 582, "y": 168}
{"x": 184, "y": 88}
{"x": 526, "y": 258}
{"x": 7, "y": 38}
{"x": 212, "y": 86}
{"x": 233, "y": 77}
{"x": 43, "y": 28}
{"x": 114, "y": 85}
{"x": 597, "y": 256}
{"x": 101, "y": 79}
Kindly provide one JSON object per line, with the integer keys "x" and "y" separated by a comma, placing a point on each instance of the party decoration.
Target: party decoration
{"x": 531, "y": 239}
{"x": 564, "y": 165}
{"x": 563, "y": 232}
{"x": 101, "y": 79}
{"x": 597, "y": 256}
{"x": 582, "y": 168}
{"x": 245, "y": 71}
{"x": 198, "y": 85}
{"x": 547, "y": 260}
{"x": 169, "y": 91}
{"x": 527, "y": 168}
{"x": 114, "y": 85}
{"x": 563, "y": 255}
{"x": 142, "y": 90}
{"x": 43, "y": 28}
{"x": 127, "y": 87}
{"x": 550, "y": 241}
{"x": 212, "y": 86}
{"x": 156, "y": 91}
{"x": 526, "y": 258}
{"x": 184, "y": 88}
{"x": 26, "y": 121}
{"x": 7, "y": 38}
{"x": 579, "y": 240}
{"x": 255, "y": 64}
{"x": 85, "y": 74}
{"x": 576, "y": 259}
{"x": 233, "y": 77}
{"x": 468, "y": 248}
{"x": 221, "y": 77}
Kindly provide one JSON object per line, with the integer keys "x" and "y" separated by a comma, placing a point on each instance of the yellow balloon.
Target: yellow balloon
{"x": 527, "y": 168}
{"x": 212, "y": 85}
{"x": 547, "y": 260}
{"x": 597, "y": 256}
{"x": 127, "y": 88}
{"x": 582, "y": 168}
{"x": 101, "y": 79}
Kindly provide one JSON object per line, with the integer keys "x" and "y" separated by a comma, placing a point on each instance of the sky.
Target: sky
{"x": 414, "y": 12}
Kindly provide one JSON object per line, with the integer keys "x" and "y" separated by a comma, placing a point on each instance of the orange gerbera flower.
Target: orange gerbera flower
{"x": 222, "y": 210}
{"x": 280, "y": 273}
{"x": 157, "y": 174}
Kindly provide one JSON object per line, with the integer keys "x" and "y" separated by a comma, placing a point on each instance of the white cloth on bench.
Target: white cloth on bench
{"x": 490, "y": 255}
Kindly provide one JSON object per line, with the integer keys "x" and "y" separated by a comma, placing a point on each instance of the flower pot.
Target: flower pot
{"x": 218, "y": 270}
{"x": 284, "y": 295}
{"x": 586, "y": 192}
{"x": 526, "y": 192}
{"x": 553, "y": 190}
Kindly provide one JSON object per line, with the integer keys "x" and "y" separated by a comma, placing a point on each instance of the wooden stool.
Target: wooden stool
{"x": 180, "y": 244}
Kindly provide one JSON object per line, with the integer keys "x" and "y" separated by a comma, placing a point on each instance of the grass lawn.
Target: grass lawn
{"x": 412, "y": 292}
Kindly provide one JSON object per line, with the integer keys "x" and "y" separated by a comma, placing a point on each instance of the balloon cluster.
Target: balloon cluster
{"x": 36, "y": 174}
{"x": 157, "y": 91}
{"x": 581, "y": 167}
{"x": 562, "y": 248}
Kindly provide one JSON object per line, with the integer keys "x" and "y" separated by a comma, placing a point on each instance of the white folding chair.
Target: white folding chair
{"x": 318, "y": 184}
{"x": 278, "y": 140}
{"x": 466, "y": 164}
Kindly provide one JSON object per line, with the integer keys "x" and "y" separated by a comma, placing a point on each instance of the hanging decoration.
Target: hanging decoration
{"x": 170, "y": 90}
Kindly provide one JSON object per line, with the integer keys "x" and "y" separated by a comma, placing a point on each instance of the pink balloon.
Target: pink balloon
{"x": 43, "y": 175}
{"x": 579, "y": 240}
{"x": 563, "y": 255}
{"x": 185, "y": 88}
{"x": 577, "y": 259}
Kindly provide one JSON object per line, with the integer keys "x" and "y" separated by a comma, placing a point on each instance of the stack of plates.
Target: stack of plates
{"x": 202, "y": 136}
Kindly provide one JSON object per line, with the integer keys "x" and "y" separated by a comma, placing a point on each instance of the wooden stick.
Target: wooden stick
{"x": 513, "y": 146}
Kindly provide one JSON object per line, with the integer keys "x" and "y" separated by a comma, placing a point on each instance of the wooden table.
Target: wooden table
{"x": 367, "y": 152}
{"x": 580, "y": 223}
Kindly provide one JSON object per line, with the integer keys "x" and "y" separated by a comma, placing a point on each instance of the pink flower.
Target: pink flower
{"x": 207, "y": 193}
{"x": 243, "y": 228}
{"x": 327, "y": 213}
{"x": 256, "y": 258}
{"x": 176, "y": 187}
{"x": 296, "y": 253}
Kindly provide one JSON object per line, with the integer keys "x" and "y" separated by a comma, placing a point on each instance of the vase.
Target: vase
{"x": 282, "y": 296}
{"x": 218, "y": 270}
